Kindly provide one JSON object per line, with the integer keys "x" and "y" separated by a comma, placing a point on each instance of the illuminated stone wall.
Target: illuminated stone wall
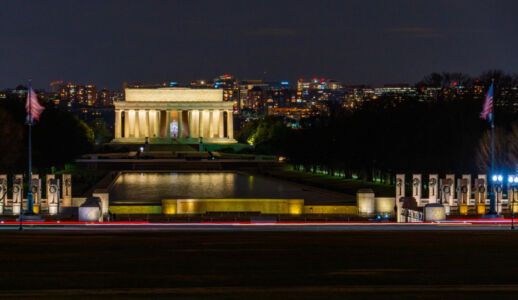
{"x": 264, "y": 206}
{"x": 136, "y": 209}
{"x": 331, "y": 209}
{"x": 173, "y": 95}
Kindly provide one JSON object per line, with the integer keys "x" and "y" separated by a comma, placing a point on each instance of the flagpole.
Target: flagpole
{"x": 30, "y": 119}
{"x": 492, "y": 210}
{"x": 30, "y": 196}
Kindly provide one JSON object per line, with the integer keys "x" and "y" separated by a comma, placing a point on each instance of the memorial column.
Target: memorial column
{"x": 126, "y": 124}
{"x": 211, "y": 121}
{"x": 136, "y": 127}
{"x": 158, "y": 130}
{"x": 168, "y": 124}
{"x": 221, "y": 125}
{"x": 118, "y": 124}
{"x": 180, "y": 123}
{"x": 200, "y": 123}
{"x": 131, "y": 115}
{"x": 230, "y": 124}
{"x": 147, "y": 130}
{"x": 189, "y": 122}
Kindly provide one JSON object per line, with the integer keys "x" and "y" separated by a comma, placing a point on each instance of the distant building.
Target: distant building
{"x": 230, "y": 88}
{"x": 106, "y": 97}
{"x": 73, "y": 94}
{"x": 255, "y": 99}
{"x": 173, "y": 114}
{"x": 245, "y": 87}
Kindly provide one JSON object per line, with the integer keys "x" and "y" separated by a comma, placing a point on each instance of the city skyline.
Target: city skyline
{"x": 372, "y": 43}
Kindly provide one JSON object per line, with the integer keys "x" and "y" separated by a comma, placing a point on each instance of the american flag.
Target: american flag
{"x": 33, "y": 107}
{"x": 487, "y": 110}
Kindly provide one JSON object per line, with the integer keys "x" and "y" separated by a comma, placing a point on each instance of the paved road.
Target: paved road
{"x": 243, "y": 261}
{"x": 240, "y": 227}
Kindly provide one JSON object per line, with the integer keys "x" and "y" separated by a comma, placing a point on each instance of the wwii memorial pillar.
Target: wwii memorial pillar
{"x": 67, "y": 189}
{"x": 433, "y": 186}
{"x": 17, "y": 194}
{"x": 3, "y": 193}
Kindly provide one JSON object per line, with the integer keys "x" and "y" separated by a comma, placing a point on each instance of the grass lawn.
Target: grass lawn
{"x": 347, "y": 186}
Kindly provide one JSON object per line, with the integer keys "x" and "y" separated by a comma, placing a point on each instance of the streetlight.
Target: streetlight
{"x": 513, "y": 182}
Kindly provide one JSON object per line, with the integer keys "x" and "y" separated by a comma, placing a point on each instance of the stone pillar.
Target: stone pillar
{"x": 3, "y": 192}
{"x": 498, "y": 190}
{"x": 52, "y": 195}
{"x": 17, "y": 194}
{"x": 196, "y": 123}
{"x": 468, "y": 186}
{"x": 211, "y": 125}
{"x": 200, "y": 124}
{"x": 190, "y": 122}
{"x": 462, "y": 195}
{"x": 451, "y": 196}
{"x": 180, "y": 120}
{"x": 126, "y": 124}
{"x": 168, "y": 124}
{"x": 147, "y": 131}
{"x": 36, "y": 192}
{"x": 131, "y": 121}
{"x": 157, "y": 124}
{"x": 221, "y": 130}
{"x": 480, "y": 193}
{"x": 400, "y": 193}
{"x": 118, "y": 124}
{"x": 48, "y": 178}
{"x": 142, "y": 123}
{"x": 152, "y": 120}
{"x": 416, "y": 188}
{"x": 67, "y": 189}
{"x": 230, "y": 124}
{"x": 137, "y": 123}
{"x": 215, "y": 123}
{"x": 433, "y": 184}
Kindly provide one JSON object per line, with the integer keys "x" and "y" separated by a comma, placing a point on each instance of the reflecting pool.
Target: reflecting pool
{"x": 153, "y": 187}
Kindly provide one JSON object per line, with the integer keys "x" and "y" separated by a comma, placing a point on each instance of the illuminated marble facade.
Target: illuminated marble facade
{"x": 166, "y": 114}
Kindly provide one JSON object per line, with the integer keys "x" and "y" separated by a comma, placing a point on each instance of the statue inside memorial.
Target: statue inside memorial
{"x": 174, "y": 129}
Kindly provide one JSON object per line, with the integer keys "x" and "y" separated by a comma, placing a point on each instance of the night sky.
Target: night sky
{"x": 372, "y": 42}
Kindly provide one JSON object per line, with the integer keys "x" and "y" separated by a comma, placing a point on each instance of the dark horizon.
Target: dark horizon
{"x": 375, "y": 43}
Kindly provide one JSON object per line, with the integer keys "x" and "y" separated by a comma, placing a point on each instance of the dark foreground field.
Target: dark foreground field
{"x": 259, "y": 265}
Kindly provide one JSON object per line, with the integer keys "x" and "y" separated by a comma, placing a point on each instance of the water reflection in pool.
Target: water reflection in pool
{"x": 153, "y": 187}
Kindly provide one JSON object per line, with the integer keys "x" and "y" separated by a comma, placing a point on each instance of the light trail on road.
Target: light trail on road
{"x": 457, "y": 224}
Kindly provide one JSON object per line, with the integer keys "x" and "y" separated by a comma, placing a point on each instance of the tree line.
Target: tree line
{"x": 58, "y": 137}
{"x": 393, "y": 134}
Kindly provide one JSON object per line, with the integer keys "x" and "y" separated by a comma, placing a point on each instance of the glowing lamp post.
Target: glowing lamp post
{"x": 513, "y": 184}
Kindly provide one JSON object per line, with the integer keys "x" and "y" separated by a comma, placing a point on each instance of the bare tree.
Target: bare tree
{"x": 506, "y": 149}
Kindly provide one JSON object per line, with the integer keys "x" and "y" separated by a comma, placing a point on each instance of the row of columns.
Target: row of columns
{"x": 54, "y": 190}
{"x": 156, "y": 123}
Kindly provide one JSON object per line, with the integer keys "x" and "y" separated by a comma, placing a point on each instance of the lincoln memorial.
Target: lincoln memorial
{"x": 168, "y": 115}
